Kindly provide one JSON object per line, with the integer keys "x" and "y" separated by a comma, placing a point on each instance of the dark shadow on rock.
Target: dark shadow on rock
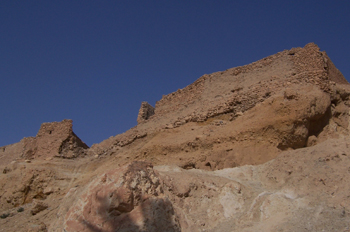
{"x": 317, "y": 124}
{"x": 314, "y": 126}
{"x": 154, "y": 214}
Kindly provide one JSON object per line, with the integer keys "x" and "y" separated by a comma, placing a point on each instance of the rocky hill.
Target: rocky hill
{"x": 261, "y": 147}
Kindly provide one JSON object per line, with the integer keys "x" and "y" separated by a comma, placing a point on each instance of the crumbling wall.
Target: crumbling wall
{"x": 55, "y": 139}
{"x": 146, "y": 111}
{"x": 238, "y": 89}
{"x": 58, "y": 139}
{"x": 315, "y": 67}
{"x": 182, "y": 97}
{"x": 334, "y": 73}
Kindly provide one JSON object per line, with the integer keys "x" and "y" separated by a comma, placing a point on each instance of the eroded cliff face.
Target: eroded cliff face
{"x": 22, "y": 182}
{"x": 262, "y": 147}
{"x": 244, "y": 115}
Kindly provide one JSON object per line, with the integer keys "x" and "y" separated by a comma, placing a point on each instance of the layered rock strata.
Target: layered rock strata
{"x": 262, "y": 147}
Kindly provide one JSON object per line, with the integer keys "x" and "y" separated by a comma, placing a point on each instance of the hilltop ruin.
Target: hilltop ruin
{"x": 261, "y": 147}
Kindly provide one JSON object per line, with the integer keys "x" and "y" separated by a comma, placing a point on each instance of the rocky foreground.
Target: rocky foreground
{"x": 262, "y": 147}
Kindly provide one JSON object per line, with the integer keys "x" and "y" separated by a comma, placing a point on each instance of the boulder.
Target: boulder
{"x": 126, "y": 199}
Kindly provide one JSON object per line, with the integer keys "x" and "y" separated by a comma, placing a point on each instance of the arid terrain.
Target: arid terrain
{"x": 261, "y": 147}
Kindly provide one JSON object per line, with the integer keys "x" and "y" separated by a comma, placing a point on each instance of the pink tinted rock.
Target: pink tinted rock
{"x": 125, "y": 199}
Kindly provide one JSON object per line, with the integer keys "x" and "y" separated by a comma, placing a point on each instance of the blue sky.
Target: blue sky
{"x": 96, "y": 61}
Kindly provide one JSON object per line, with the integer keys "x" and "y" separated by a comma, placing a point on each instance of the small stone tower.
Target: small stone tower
{"x": 146, "y": 111}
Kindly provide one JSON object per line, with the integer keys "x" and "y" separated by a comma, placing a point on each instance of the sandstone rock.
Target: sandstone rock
{"x": 311, "y": 141}
{"x": 38, "y": 206}
{"x": 126, "y": 199}
{"x": 261, "y": 147}
{"x": 6, "y": 170}
{"x": 48, "y": 190}
{"x": 169, "y": 127}
{"x": 38, "y": 227}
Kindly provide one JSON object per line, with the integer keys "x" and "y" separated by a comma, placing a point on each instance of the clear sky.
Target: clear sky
{"x": 96, "y": 61}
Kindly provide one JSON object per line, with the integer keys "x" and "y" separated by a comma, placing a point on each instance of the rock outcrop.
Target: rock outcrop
{"x": 262, "y": 147}
{"x": 127, "y": 199}
{"x": 301, "y": 190}
{"x": 285, "y": 194}
{"x": 244, "y": 115}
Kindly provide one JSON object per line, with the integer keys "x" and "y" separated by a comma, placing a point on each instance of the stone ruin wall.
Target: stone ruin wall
{"x": 315, "y": 67}
{"x": 13, "y": 150}
{"x": 58, "y": 139}
{"x": 145, "y": 112}
{"x": 55, "y": 128}
{"x": 334, "y": 73}
{"x": 192, "y": 93}
{"x": 309, "y": 66}
{"x": 186, "y": 96}
{"x": 255, "y": 65}
{"x": 55, "y": 139}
